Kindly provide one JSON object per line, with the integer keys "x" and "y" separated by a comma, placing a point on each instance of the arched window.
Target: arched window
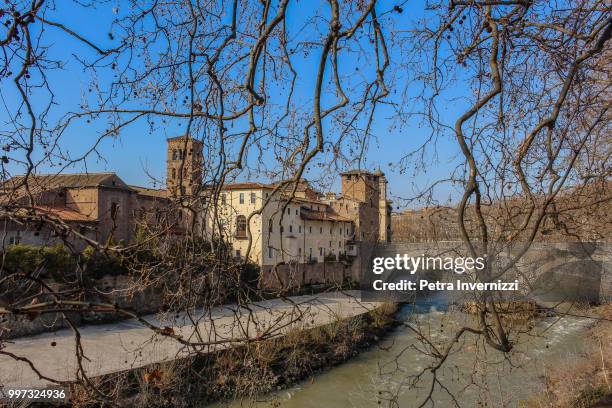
{"x": 241, "y": 226}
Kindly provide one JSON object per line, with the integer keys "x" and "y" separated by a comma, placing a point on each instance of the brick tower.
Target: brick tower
{"x": 184, "y": 153}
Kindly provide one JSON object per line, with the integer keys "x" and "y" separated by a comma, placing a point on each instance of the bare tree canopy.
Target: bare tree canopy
{"x": 512, "y": 98}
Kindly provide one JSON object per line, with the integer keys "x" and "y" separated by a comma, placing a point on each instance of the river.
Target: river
{"x": 380, "y": 376}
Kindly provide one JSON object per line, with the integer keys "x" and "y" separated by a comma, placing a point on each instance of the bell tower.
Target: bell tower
{"x": 184, "y": 165}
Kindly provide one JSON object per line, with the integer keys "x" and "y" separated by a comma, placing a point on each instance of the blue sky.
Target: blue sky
{"x": 136, "y": 150}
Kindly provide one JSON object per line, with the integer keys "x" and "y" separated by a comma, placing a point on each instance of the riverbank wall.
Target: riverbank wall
{"x": 251, "y": 369}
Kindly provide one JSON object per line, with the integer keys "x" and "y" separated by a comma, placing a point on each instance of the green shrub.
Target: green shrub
{"x": 22, "y": 258}
{"x": 58, "y": 261}
{"x": 330, "y": 257}
{"x": 55, "y": 260}
{"x": 98, "y": 264}
{"x": 347, "y": 259}
{"x": 250, "y": 273}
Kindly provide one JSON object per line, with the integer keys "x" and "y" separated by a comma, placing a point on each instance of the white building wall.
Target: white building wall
{"x": 230, "y": 206}
{"x": 279, "y": 234}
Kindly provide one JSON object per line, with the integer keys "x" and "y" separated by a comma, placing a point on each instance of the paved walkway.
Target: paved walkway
{"x": 120, "y": 346}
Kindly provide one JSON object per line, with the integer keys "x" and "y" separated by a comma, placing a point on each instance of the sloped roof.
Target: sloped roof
{"x": 63, "y": 213}
{"x": 246, "y": 186}
{"x": 151, "y": 192}
{"x": 321, "y": 216}
{"x": 304, "y": 200}
{"x": 43, "y": 182}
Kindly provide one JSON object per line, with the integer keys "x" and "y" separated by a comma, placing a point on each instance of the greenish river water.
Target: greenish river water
{"x": 381, "y": 376}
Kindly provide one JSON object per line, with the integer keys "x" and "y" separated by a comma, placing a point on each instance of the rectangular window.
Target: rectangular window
{"x": 310, "y": 229}
{"x": 114, "y": 210}
{"x": 241, "y": 198}
{"x": 296, "y": 211}
{"x": 241, "y": 226}
{"x": 270, "y": 252}
{"x": 288, "y": 211}
{"x": 253, "y": 198}
{"x": 320, "y": 230}
{"x": 300, "y": 229}
{"x": 310, "y": 253}
{"x": 270, "y": 226}
{"x": 339, "y": 244}
{"x": 291, "y": 228}
{"x": 320, "y": 251}
{"x": 223, "y": 199}
{"x": 330, "y": 244}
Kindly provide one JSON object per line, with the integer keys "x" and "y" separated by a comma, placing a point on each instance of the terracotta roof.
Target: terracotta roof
{"x": 43, "y": 182}
{"x": 321, "y": 216}
{"x": 151, "y": 192}
{"x": 305, "y": 200}
{"x": 63, "y": 213}
{"x": 246, "y": 186}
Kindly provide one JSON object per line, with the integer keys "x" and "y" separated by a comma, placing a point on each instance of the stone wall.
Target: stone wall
{"x": 294, "y": 275}
{"x": 120, "y": 290}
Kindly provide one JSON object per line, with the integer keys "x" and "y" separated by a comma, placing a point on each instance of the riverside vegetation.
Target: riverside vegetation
{"x": 584, "y": 381}
{"x": 252, "y": 369}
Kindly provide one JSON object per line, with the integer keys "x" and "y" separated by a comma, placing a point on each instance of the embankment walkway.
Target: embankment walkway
{"x": 128, "y": 344}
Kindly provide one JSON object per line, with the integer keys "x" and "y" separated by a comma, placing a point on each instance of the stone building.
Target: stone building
{"x": 364, "y": 200}
{"x": 288, "y": 223}
{"x": 99, "y": 206}
{"x": 282, "y": 230}
{"x": 305, "y": 226}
